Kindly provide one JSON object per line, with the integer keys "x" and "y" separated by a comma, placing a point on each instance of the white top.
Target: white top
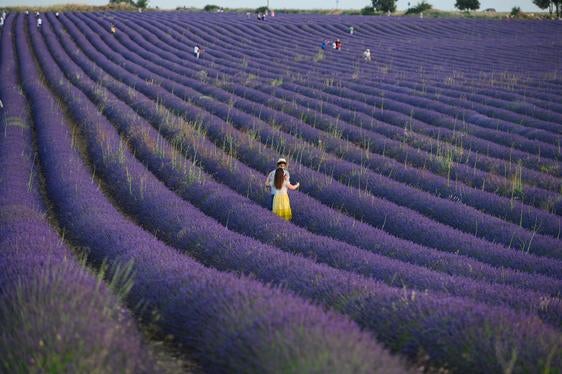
{"x": 271, "y": 180}
{"x": 196, "y": 49}
{"x": 39, "y": 21}
{"x": 283, "y": 188}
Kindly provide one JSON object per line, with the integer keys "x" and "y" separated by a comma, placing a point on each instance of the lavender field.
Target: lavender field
{"x": 426, "y": 232}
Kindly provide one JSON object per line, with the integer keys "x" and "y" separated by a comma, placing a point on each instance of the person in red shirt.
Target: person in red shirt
{"x": 338, "y": 44}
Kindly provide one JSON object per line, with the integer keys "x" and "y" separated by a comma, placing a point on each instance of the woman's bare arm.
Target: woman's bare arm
{"x": 293, "y": 187}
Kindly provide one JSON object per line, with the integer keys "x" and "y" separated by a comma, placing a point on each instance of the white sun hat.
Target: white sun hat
{"x": 281, "y": 161}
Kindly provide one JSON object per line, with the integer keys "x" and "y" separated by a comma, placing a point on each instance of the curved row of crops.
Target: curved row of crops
{"x": 429, "y": 218}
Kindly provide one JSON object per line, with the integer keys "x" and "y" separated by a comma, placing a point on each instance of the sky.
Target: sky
{"x": 499, "y": 5}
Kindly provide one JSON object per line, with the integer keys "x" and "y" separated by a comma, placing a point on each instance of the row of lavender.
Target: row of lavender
{"x": 89, "y": 331}
{"x": 392, "y": 221}
{"x": 142, "y": 196}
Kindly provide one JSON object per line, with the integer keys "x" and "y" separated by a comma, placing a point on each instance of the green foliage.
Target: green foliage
{"x": 142, "y": 4}
{"x": 543, "y": 4}
{"x": 277, "y": 82}
{"x": 319, "y": 56}
{"x": 420, "y": 7}
{"x": 515, "y": 11}
{"x": 211, "y": 8}
{"x": 122, "y": 2}
{"x": 262, "y": 9}
{"x": 550, "y": 4}
{"x": 368, "y": 11}
{"x": 467, "y": 5}
{"x": 384, "y": 5}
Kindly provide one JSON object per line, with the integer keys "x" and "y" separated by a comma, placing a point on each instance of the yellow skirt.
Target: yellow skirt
{"x": 282, "y": 206}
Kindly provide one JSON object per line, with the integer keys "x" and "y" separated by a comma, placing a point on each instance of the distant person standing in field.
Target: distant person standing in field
{"x": 270, "y": 180}
{"x": 39, "y": 22}
{"x": 196, "y": 51}
{"x": 367, "y": 55}
{"x": 324, "y": 44}
{"x": 351, "y": 30}
{"x": 113, "y": 29}
{"x": 338, "y": 45}
{"x": 281, "y": 202}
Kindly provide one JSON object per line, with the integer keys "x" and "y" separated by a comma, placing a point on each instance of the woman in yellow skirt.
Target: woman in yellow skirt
{"x": 281, "y": 203}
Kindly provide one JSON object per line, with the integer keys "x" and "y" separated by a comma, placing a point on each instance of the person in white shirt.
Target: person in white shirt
{"x": 197, "y": 51}
{"x": 39, "y": 22}
{"x": 270, "y": 180}
{"x": 367, "y": 55}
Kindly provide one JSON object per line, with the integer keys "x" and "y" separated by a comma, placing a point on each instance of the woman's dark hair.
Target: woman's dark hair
{"x": 279, "y": 178}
